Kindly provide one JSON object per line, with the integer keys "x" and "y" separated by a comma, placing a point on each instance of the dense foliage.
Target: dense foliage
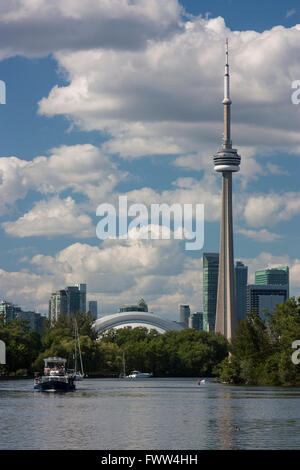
{"x": 261, "y": 353}
{"x": 185, "y": 353}
{"x": 22, "y": 345}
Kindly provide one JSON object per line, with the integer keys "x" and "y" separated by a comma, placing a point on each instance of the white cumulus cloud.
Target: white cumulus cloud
{"x": 36, "y": 28}
{"x": 166, "y": 98}
{"x": 52, "y": 218}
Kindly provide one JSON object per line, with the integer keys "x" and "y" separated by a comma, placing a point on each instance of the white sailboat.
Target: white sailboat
{"x": 136, "y": 374}
{"x": 123, "y": 372}
{"x": 79, "y": 374}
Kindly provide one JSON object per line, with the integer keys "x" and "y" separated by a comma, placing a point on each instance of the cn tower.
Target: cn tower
{"x": 226, "y": 161}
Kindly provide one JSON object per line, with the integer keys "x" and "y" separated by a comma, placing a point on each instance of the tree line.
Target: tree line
{"x": 183, "y": 353}
{"x": 260, "y": 354}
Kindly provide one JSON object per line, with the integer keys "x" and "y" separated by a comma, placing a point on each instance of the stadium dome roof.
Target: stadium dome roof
{"x": 135, "y": 319}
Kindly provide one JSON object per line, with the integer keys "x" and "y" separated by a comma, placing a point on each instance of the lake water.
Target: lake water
{"x": 149, "y": 414}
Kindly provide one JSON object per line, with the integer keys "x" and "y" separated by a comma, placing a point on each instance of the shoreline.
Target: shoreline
{"x": 19, "y": 377}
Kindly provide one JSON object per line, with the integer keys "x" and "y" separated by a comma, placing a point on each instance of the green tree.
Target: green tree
{"x": 22, "y": 345}
{"x": 262, "y": 348}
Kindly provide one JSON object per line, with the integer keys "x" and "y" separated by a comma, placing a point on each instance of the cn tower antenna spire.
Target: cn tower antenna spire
{"x": 227, "y": 144}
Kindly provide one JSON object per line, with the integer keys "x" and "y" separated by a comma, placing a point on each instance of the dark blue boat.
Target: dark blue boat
{"x": 55, "y": 377}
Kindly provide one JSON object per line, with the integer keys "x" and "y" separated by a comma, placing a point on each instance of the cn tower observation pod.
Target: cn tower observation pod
{"x": 135, "y": 319}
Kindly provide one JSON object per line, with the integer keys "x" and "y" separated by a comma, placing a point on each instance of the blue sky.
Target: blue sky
{"x": 100, "y": 111}
{"x": 258, "y": 14}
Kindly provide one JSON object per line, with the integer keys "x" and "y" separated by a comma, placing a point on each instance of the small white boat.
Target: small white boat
{"x": 135, "y": 374}
{"x": 79, "y": 375}
{"x": 201, "y": 382}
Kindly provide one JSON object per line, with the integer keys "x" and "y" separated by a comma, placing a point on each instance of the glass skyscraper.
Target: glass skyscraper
{"x": 9, "y": 310}
{"x": 273, "y": 276}
{"x": 196, "y": 321}
{"x": 241, "y": 279}
{"x": 262, "y": 298}
{"x": 140, "y": 307}
{"x": 73, "y": 298}
{"x": 210, "y": 289}
{"x": 184, "y": 315}
{"x": 93, "y": 308}
{"x": 67, "y": 301}
{"x": 82, "y": 293}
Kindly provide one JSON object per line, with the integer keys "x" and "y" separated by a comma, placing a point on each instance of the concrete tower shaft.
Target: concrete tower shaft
{"x": 226, "y": 317}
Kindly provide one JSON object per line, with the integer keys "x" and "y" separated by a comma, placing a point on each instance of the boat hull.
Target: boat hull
{"x": 55, "y": 386}
{"x": 139, "y": 376}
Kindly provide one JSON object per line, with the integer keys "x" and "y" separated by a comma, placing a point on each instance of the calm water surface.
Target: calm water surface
{"x": 149, "y": 414}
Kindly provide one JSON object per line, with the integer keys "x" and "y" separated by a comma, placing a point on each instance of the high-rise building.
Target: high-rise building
{"x": 241, "y": 279}
{"x": 73, "y": 299}
{"x": 82, "y": 292}
{"x": 226, "y": 161}
{"x": 210, "y": 289}
{"x": 58, "y": 305}
{"x": 93, "y": 308}
{"x": 141, "y": 306}
{"x": 265, "y": 297}
{"x": 196, "y": 321}
{"x": 67, "y": 301}
{"x": 273, "y": 276}
{"x": 9, "y": 310}
{"x": 36, "y": 321}
{"x": 184, "y": 315}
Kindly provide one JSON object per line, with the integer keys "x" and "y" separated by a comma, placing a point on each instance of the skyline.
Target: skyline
{"x": 139, "y": 114}
{"x": 271, "y": 277}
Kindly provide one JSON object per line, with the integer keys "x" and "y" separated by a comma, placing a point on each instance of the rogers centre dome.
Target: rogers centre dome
{"x": 135, "y": 319}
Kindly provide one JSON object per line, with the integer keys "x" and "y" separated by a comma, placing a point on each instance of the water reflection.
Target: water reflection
{"x": 225, "y": 422}
{"x": 156, "y": 414}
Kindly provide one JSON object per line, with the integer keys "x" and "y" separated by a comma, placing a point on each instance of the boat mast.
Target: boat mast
{"x": 81, "y": 365}
{"x": 75, "y": 353}
{"x": 124, "y": 373}
{"x": 77, "y": 342}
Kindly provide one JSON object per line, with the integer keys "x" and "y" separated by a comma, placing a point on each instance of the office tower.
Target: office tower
{"x": 210, "y": 289}
{"x": 36, "y": 321}
{"x": 82, "y": 291}
{"x": 51, "y": 310}
{"x": 227, "y": 161}
{"x": 141, "y": 306}
{"x": 9, "y": 310}
{"x": 67, "y": 301}
{"x": 93, "y": 308}
{"x": 73, "y": 299}
{"x": 241, "y": 279}
{"x": 273, "y": 276}
{"x": 58, "y": 305}
{"x": 184, "y": 315}
{"x": 196, "y": 321}
{"x": 261, "y": 297}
